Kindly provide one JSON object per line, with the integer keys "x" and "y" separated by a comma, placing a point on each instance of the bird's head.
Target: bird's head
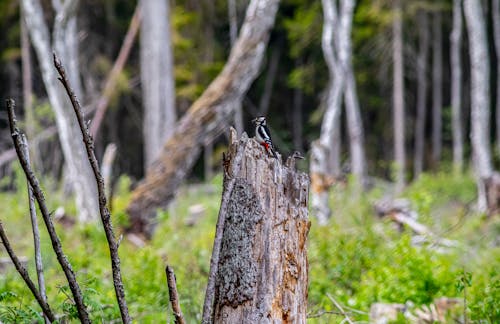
{"x": 259, "y": 121}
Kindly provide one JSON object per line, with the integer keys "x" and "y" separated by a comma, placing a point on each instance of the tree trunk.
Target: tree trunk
{"x": 437, "y": 91}
{"x": 354, "y": 122}
{"x": 456, "y": 87}
{"x": 325, "y": 152}
{"x": 495, "y": 17}
{"x": 262, "y": 269}
{"x": 398, "y": 97}
{"x": 232, "y": 14}
{"x": 206, "y": 118}
{"x": 157, "y": 77}
{"x": 297, "y": 120}
{"x": 422, "y": 63}
{"x": 65, "y": 46}
{"x": 29, "y": 112}
{"x": 272, "y": 70}
{"x": 480, "y": 96}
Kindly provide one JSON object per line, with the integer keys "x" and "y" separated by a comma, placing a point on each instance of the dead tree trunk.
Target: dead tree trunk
{"x": 205, "y": 120}
{"x": 259, "y": 266}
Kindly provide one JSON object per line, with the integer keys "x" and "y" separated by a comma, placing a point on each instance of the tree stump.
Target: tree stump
{"x": 262, "y": 270}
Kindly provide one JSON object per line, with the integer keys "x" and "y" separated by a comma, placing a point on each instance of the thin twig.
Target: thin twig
{"x": 103, "y": 209}
{"x": 219, "y": 230}
{"x": 174, "y": 297}
{"x": 339, "y": 308}
{"x": 24, "y": 274}
{"x": 321, "y": 313}
{"x": 36, "y": 232}
{"x": 40, "y": 197}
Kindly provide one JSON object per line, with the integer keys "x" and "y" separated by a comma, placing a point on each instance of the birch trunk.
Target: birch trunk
{"x": 398, "y": 97}
{"x": 66, "y": 47}
{"x": 206, "y": 119}
{"x": 456, "y": 87}
{"x": 262, "y": 270}
{"x": 325, "y": 152}
{"x": 354, "y": 121}
{"x": 437, "y": 92}
{"x": 157, "y": 77}
{"x": 422, "y": 60}
{"x": 495, "y": 17}
{"x": 480, "y": 96}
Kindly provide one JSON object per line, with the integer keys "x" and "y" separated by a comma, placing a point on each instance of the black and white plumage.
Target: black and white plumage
{"x": 263, "y": 135}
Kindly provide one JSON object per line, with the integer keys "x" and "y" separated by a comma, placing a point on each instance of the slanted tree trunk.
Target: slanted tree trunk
{"x": 456, "y": 87}
{"x": 64, "y": 43}
{"x": 157, "y": 77}
{"x": 495, "y": 17}
{"x": 261, "y": 272}
{"x": 206, "y": 119}
{"x": 422, "y": 63}
{"x": 398, "y": 96}
{"x": 480, "y": 96}
{"x": 437, "y": 91}
{"x": 354, "y": 121}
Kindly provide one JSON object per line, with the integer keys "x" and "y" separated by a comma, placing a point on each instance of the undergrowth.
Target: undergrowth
{"x": 357, "y": 259}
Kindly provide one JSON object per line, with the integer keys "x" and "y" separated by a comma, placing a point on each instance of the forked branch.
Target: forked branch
{"x": 40, "y": 197}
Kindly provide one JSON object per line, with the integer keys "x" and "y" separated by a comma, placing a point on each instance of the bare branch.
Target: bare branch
{"x": 40, "y": 197}
{"x": 22, "y": 271}
{"x": 174, "y": 297}
{"x": 36, "y": 233}
{"x": 103, "y": 209}
{"x": 339, "y": 308}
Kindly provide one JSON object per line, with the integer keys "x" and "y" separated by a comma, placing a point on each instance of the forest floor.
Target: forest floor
{"x": 356, "y": 260}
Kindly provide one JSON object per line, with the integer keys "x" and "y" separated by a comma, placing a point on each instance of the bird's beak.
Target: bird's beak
{"x": 254, "y": 120}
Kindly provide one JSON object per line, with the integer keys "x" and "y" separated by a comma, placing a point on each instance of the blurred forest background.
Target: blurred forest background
{"x": 394, "y": 103}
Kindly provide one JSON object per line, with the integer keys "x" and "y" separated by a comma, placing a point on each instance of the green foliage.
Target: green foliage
{"x": 356, "y": 259}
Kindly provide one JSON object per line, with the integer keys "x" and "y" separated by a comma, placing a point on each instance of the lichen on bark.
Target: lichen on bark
{"x": 237, "y": 271}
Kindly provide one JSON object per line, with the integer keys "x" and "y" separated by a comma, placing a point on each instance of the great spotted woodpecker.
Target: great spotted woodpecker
{"x": 263, "y": 136}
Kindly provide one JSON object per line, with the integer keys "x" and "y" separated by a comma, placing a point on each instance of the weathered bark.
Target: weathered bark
{"x": 398, "y": 97}
{"x": 437, "y": 91}
{"x": 65, "y": 45}
{"x": 206, "y": 119}
{"x": 262, "y": 271}
{"x": 495, "y": 17}
{"x": 157, "y": 77}
{"x": 456, "y": 87}
{"x": 354, "y": 121}
{"x": 480, "y": 96}
{"x": 422, "y": 63}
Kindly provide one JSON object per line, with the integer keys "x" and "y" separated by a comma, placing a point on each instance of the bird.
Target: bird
{"x": 263, "y": 135}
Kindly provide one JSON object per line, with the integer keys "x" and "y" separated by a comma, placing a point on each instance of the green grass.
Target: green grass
{"x": 357, "y": 258}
